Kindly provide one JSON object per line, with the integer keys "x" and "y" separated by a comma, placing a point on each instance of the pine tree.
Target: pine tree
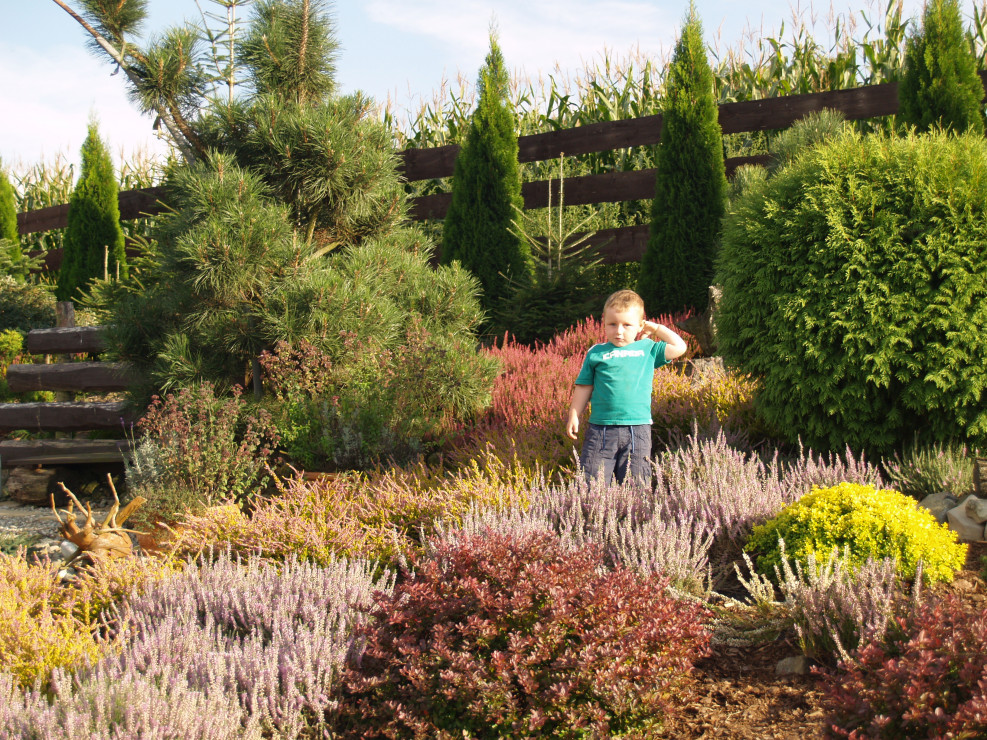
{"x": 941, "y": 86}
{"x": 93, "y": 236}
{"x": 486, "y": 191}
{"x": 11, "y": 258}
{"x": 691, "y": 186}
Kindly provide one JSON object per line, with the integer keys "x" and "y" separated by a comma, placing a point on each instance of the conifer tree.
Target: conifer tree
{"x": 691, "y": 186}
{"x": 941, "y": 86}
{"x": 10, "y": 240}
{"x": 93, "y": 236}
{"x": 486, "y": 191}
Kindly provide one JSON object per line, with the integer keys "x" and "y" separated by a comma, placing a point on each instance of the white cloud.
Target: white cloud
{"x": 48, "y": 101}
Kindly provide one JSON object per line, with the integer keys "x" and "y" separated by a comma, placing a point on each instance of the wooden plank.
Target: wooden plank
{"x": 59, "y": 341}
{"x": 52, "y": 259}
{"x": 63, "y": 417}
{"x": 133, "y": 204}
{"x": 14, "y": 452}
{"x": 70, "y": 376}
{"x": 625, "y": 244}
{"x": 609, "y": 187}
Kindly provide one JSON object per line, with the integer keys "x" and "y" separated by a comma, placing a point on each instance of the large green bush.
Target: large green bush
{"x": 941, "y": 86}
{"x": 10, "y": 240}
{"x": 486, "y": 191}
{"x": 855, "y": 286}
{"x": 691, "y": 185}
{"x": 93, "y": 236}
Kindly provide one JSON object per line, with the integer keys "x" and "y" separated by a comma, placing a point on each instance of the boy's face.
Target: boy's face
{"x": 622, "y": 327}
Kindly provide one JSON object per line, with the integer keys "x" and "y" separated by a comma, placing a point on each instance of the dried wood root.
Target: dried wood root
{"x": 106, "y": 540}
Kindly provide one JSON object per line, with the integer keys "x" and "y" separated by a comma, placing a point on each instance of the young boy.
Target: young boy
{"x": 619, "y": 375}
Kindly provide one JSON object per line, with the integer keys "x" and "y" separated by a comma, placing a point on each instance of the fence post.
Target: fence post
{"x": 64, "y": 319}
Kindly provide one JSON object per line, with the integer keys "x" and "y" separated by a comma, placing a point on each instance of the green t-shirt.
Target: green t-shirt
{"x": 622, "y": 379}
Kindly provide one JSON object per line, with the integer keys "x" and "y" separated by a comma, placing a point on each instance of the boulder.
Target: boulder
{"x": 797, "y": 665}
{"x": 939, "y": 504}
{"x": 976, "y": 509}
{"x": 961, "y": 523}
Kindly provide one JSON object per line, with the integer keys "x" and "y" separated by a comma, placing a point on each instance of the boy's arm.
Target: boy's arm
{"x": 675, "y": 346}
{"x": 580, "y": 397}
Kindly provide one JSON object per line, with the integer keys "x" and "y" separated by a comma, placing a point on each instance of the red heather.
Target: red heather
{"x": 495, "y": 636}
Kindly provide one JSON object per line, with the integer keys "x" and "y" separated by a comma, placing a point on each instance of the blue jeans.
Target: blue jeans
{"x": 616, "y": 451}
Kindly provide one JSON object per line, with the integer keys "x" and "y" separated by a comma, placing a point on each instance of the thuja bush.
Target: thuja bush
{"x": 731, "y": 490}
{"x": 925, "y": 678}
{"x": 869, "y": 523}
{"x": 378, "y": 515}
{"x": 497, "y": 637}
{"x": 629, "y": 524}
{"x": 197, "y": 449}
{"x": 853, "y": 287}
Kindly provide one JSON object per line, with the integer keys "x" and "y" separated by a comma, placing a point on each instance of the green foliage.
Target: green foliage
{"x": 10, "y": 240}
{"x": 25, "y": 306}
{"x": 941, "y": 86}
{"x": 486, "y": 191}
{"x": 804, "y": 134}
{"x": 854, "y": 287}
{"x": 869, "y": 523}
{"x": 690, "y": 192}
{"x": 93, "y": 237}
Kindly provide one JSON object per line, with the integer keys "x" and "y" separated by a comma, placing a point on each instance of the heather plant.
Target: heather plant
{"x": 837, "y": 605}
{"x": 806, "y": 242}
{"x": 499, "y": 637}
{"x": 691, "y": 185}
{"x": 940, "y": 86}
{"x": 923, "y": 679}
{"x": 731, "y": 490}
{"x": 626, "y": 522}
{"x": 197, "y": 450}
{"x": 93, "y": 236}
{"x": 922, "y": 470}
{"x": 867, "y": 521}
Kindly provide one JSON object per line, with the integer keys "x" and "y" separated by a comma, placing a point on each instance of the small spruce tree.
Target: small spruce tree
{"x": 10, "y": 241}
{"x": 691, "y": 186}
{"x": 486, "y": 191}
{"x": 93, "y": 231}
{"x": 941, "y": 86}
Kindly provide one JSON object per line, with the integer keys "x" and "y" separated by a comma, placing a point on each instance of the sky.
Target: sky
{"x": 400, "y": 50}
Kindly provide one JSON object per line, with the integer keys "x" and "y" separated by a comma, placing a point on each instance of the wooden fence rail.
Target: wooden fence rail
{"x": 614, "y": 245}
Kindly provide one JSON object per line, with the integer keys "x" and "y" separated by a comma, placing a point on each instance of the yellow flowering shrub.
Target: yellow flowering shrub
{"x": 869, "y": 523}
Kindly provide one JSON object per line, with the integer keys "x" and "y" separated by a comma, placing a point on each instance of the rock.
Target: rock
{"x": 960, "y": 522}
{"x": 939, "y": 504}
{"x": 976, "y": 509}
{"x": 797, "y": 665}
{"x": 30, "y": 485}
{"x": 45, "y": 550}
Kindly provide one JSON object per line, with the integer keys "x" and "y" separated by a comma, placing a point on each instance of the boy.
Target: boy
{"x": 619, "y": 375}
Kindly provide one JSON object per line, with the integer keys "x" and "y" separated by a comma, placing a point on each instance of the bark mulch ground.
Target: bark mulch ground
{"x": 739, "y": 695}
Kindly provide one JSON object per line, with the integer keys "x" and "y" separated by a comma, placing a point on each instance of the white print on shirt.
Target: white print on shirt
{"x": 623, "y": 353}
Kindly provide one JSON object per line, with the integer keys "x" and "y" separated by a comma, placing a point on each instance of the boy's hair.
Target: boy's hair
{"x": 624, "y": 299}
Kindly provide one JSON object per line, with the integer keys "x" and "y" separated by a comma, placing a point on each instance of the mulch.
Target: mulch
{"x": 737, "y": 694}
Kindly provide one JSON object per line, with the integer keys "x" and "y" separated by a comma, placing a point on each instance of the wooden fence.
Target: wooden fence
{"x": 616, "y": 245}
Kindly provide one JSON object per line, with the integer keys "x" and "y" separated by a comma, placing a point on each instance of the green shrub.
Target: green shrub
{"x": 25, "y": 306}
{"x": 940, "y": 86}
{"x": 10, "y": 240}
{"x": 690, "y": 192}
{"x": 869, "y": 523}
{"x": 805, "y": 133}
{"x": 853, "y": 287}
{"x": 486, "y": 191}
{"x": 93, "y": 236}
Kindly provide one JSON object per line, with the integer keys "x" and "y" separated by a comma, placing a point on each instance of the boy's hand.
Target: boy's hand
{"x": 572, "y": 428}
{"x": 649, "y": 330}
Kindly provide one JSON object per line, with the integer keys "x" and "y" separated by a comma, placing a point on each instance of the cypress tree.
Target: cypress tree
{"x": 486, "y": 191}
{"x": 691, "y": 185}
{"x": 941, "y": 86}
{"x": 10, "y": 240}
{"x": 93, "y": 222}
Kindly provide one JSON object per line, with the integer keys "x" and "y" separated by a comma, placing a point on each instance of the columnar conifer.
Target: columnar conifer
{"x": 10, "y": 243}
{"x": 93, "y": 237}
{"x": 690, "y": 192}
{"x": 941, "y": 86}
{"x": 486, "y": 191}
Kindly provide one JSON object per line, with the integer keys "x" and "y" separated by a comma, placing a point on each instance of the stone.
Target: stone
{"x": 939, "y": 504}
{"x": 976, "y": 509}
{"x": 967, "y": 529}
{"x": 797, "y": 665}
